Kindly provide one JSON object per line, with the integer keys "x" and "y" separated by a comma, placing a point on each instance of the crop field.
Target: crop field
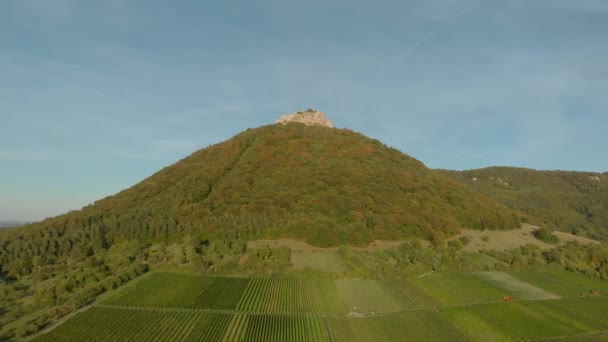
{"x": 517, "y": 288}
{"x": 110, "y": 324}
{"x": 122, "y": 324}
{"x": 268, "y": 295}
{"x": 163, "y": 290}
{"x": 366, "y": 296}
{"x": 531, "y": 319}
{"x": 285, "y": 328}
{"x": 384, "y": 296}
{"x": 436, "y": 307}
{"x": 426, "y": 325}
{"x": 563, "y": 283}
{"x": 595, "y": 337}
{"x": 272, "y": 295}
{"x": 409, "y": 294}
{"x": 183, "y": 291}
{"x": 458, "y": 288}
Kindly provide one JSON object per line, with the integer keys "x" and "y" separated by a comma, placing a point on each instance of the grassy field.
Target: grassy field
{"x": 436, "y": 307}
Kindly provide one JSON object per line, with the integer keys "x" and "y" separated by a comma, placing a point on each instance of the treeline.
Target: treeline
{"x": 590, "y": 259}
{"x": 412, "y": 258}
{"x": 568, "y": 201}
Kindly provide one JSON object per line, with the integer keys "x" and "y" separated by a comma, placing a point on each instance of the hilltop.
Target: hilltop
{"x": 309, "y": 117}
{"x": 568, "y": 201}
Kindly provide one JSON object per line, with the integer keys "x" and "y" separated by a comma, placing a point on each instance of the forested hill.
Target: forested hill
{"x": 324, "y": 186}
{"x": 573, "y": 202}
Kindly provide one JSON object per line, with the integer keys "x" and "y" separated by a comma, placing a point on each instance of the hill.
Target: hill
{"x": 325, "y": 186}
{"x": 568, "y": 201}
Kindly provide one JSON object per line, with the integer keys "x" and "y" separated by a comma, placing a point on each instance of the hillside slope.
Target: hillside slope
{"x": 325, "y": 186}
{"x": 573, "y": 202}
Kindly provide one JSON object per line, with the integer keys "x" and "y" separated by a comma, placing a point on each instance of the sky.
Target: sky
{"x": 95, "y": 96}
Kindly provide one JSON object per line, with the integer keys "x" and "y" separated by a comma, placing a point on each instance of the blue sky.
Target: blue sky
{"x": 97, "y": 95}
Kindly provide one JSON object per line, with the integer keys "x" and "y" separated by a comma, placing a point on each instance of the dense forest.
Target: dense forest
{"x": 573, "y": 202}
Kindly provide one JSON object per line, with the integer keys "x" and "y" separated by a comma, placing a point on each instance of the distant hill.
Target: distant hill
{"x": 4, "y": 224}
{"x": 573, "y": 202}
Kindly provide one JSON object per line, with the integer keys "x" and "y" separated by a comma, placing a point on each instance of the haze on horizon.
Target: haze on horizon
{"x": 97, "y": 95}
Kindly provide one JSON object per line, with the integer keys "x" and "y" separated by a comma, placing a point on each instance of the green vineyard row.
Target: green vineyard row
{"x": 123, "y": 324}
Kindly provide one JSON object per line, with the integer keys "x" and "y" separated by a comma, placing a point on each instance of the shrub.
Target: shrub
{"x": 545, "y": 235}
{"x": 464, "y": 240}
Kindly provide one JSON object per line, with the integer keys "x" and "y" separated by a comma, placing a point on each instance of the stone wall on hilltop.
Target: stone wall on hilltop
{"x": 309, "y": 117}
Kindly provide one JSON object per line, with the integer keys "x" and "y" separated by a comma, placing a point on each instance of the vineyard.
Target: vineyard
{"x": 109, "y": 324}
{"x": 565, "y": 284}
{"x": 184, "y": 291}
{"x": 291, "y": 295}
{"x": 435, "y": 307}
{"x": 122, "y": 324}
{"x": 535, "y": 319}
